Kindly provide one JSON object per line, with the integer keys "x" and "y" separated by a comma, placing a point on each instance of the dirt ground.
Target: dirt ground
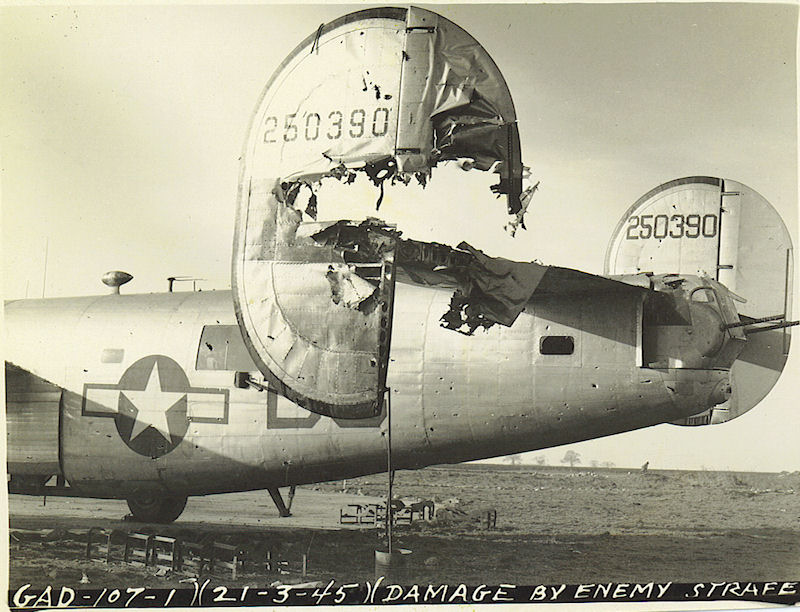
{"x": 554, "y": 525}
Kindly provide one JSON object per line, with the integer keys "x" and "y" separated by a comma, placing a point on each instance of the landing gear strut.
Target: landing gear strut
{"x": 283, "y": 509}
{"x": 156, "y": 509}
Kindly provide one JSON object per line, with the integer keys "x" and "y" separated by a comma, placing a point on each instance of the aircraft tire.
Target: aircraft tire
{"x": 156, "y": 509}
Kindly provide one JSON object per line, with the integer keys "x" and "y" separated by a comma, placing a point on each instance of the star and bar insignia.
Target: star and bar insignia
{"x": 153, "y": 404}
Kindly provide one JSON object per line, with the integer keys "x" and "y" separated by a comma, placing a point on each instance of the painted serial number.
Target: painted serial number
{"x": 643, "y": 227}
{"x": 358, "y": 123}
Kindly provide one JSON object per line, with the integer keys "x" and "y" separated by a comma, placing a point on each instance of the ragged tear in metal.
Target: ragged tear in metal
{"x": 311, "y": 207}
{"x": 288, "y": 218}
{"x": 290, "y": 191}
{"x": 518, "y": 219}
{"x": 342, "y": 173}
{"x": 369, "y": 241}
{"x": 350, "y": 290}
{"x": 489, "y": 290}
{"x": 378, "y": 172}
{"x": 463, "y": 317}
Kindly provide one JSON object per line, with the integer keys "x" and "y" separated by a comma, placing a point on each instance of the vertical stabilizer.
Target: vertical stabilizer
{"x": 723, "y": 230}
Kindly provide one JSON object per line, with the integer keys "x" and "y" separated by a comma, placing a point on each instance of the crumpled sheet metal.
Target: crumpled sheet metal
{"x": 315, "y": 327}
{"x": 487, "y": 290}
{"x": 404, "y": 85}
{"x": 316, "y": 316}
{"x": 332, "y": 101}
{"x": 491, "y": 290}
{"x": 454, "y": 103}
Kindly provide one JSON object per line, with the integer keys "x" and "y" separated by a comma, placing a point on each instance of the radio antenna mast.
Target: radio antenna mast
{"x": 44, "y": 273}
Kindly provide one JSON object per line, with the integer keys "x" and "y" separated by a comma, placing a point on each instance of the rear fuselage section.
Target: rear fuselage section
{"x": 139, "y": 392}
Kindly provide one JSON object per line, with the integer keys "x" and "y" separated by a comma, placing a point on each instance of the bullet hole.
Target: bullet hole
{"x": 594, "y": 386}
{"x": 373, "y": 362}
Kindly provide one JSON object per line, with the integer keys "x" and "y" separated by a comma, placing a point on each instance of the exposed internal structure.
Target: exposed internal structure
{"x": 389, "y": 94}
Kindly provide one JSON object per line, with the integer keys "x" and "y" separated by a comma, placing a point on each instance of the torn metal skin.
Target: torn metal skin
{"x": 487, "y": 290}
{"x": 389, "y": 93}
{"x": 441, "y": 93}
{"x": 316, "y": 321}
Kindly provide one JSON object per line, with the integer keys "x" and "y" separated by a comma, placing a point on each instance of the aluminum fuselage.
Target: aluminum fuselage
{"x": 454, "y": 398}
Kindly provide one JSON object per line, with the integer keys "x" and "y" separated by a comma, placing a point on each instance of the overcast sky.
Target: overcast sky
{"x": 122, "y": 128}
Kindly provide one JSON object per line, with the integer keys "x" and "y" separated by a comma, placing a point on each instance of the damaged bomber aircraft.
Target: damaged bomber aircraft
{"x": 482, "y": 356}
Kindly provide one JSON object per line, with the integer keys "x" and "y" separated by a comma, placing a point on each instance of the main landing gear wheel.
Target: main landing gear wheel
{"x": 156, "y": 509}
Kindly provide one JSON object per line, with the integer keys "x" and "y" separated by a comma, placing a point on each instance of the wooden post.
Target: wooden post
{"x": 108, "y": 547}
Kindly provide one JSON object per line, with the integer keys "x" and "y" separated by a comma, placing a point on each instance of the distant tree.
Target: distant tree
{"x": 594, "y": 463}
{"x": 608, "y": 464}
{"x": 571, "y": 457}
{"x": 513, "y": 459}
{"x": 540, "y": 460}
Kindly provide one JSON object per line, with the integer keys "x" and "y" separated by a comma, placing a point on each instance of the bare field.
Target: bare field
{"x": 554, "y": 525}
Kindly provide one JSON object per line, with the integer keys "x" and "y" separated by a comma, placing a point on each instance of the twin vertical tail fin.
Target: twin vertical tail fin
{"x": 386, "y": 93}
{"x": 724, "y": 231}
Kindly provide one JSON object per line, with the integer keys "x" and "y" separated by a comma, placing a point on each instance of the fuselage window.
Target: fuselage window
{"x": 557, "y": 345}
{"x": 222, "y": 348}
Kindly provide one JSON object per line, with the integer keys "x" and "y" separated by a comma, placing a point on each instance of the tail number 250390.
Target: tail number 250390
{"x": 359, "y": 123}
{"x": 643, "y": 227}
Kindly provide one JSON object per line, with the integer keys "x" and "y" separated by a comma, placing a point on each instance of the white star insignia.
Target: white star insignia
{"x": 152, "y": 405}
